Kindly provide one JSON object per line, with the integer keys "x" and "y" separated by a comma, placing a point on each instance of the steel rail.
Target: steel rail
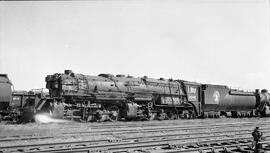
{"x": 199, "y": 148}
{"x": 185, "y": 127}
{"x": 141, "y": 145}
{"x": 63, "y": 135}
{"x": 191, "y": 127}
{"x": 135, "y": 140}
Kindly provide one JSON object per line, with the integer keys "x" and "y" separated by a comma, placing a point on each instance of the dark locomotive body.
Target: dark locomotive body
{"x": 108, "y": 97}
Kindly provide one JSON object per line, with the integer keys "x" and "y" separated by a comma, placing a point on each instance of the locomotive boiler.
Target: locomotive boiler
{"x": 108, "y": 97}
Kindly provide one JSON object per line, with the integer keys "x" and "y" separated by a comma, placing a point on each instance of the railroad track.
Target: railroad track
{"x": 194, "y": 122}
{"x": 165, "y": 143}
{"x": 237, "y": 146}
{"x": 117, "y": 125}
{"x": 174, "y": 137}
{"x": 156, "y": 140}
{"x": 186, "y": 130}
{"x": 127, "y": 130}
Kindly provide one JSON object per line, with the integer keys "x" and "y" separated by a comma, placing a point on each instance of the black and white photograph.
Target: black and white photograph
{"x": 135, "y": 76}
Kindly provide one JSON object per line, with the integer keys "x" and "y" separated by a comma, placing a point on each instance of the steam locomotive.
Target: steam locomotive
{"x": 107, "y": 97}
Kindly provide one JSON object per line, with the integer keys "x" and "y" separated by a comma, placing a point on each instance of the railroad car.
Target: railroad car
{"x": 23, "y": 103}
{"x": 17, "y": 106}
{"x": 107, "y": 97}
{"x": 5, "y": 94}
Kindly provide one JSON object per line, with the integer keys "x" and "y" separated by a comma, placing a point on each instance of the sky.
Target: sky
{"x": 208, "y": 41}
